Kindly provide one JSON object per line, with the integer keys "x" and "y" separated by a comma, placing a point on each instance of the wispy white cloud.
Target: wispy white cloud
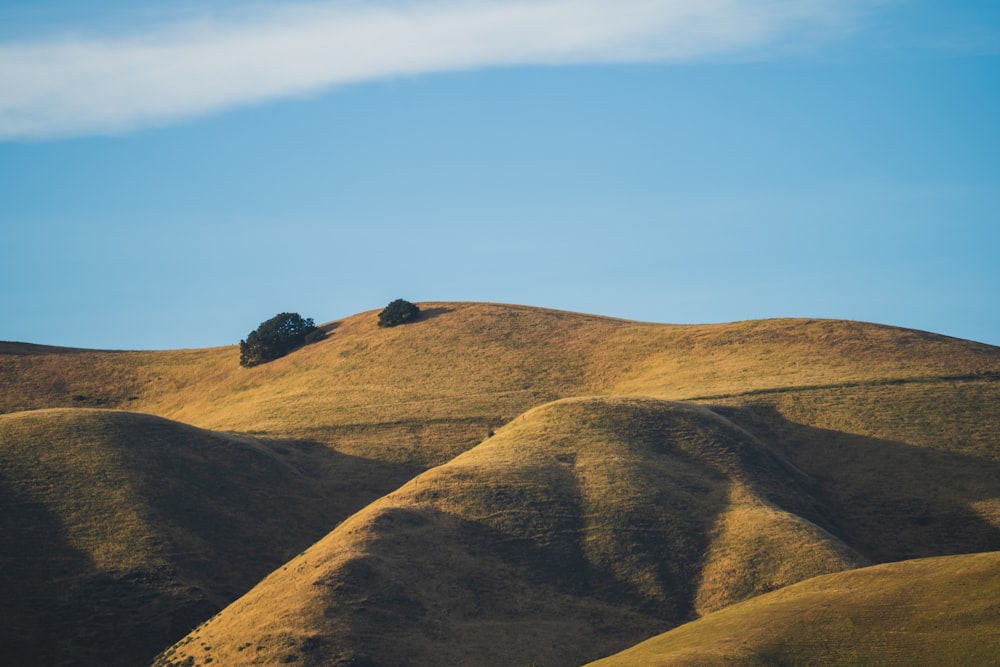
{"x": 159, "y": 74}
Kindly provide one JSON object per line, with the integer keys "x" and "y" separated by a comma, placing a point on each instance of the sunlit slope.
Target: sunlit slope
{"x": 938, "y": 611}
{"x": 781, "y": 354}
{"x": 121, "y": 531}
{"x": 37, "y": 376}
{"x": 580, "y": 528}
{"x": 426, "y": 391}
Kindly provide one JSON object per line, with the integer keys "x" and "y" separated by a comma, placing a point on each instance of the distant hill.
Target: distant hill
{"x": 424, "y": 392}
{"x": 938, "y": 611}
{"x": 492, "y": 483}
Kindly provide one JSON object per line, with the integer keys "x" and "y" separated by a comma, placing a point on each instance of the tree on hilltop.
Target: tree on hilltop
{"x": 277, "y": 337}
{"x": 397, "y": 312}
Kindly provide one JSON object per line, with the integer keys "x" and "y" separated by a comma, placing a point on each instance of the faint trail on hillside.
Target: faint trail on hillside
{"x": 935, "y": 379}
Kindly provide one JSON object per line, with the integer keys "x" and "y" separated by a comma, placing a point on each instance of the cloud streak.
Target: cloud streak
{"x": 162, "y": 74}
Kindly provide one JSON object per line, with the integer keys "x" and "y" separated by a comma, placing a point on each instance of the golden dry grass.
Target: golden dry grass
{"x": 806, "y": 446}
{"x": 938, "y": 611}
{"x": 424, "y": 392}
{"x": 902, "y": 471}
{"x": 749, "y": 547}
{"x": 582, "y": 525}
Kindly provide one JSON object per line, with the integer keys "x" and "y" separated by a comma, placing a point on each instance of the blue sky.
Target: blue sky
{"x": 171, "y": 177}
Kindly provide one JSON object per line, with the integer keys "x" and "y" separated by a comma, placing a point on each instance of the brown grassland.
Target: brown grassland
{"x": 502, "y": 485}
{"x": 935, "y": 611}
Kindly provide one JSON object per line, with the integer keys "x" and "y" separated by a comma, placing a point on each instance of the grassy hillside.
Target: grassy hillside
{"x": 121, "y": 531}
{"x": 425, "y": 392}
{"x": 905, "y": 471}
{"x": 586, "y": 522}
{"x": 939, "y": 611}
{"x": 582, "y": 525}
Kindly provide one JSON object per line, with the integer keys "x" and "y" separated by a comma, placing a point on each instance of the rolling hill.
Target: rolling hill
{"x": 582, "y": 524}
{"x": 121, "y": 531}
{"x": 425, "y": 392}
{"x": 640, "y": 476}
{"x": 937, "y": 611}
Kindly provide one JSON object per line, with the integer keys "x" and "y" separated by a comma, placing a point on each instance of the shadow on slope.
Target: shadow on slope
{"x": 582, "y": 525}
{"x": 35, "y": 561}
{"x": 936, "y": 611}
{"x": 891, "y": 500}
{"x": 122, "y": 531}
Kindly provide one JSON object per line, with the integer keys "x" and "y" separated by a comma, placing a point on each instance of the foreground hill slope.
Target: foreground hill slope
{"x": 938, "y": 611}
{"x": 424, "y": 392}
{"x": 121, "y": 531}
{"x": 587, "y": 522}
{"x": 582, "y": 525}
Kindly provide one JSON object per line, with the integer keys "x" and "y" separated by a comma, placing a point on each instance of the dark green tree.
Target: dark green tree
{"x": 399, "y": 311}
{"x": 277, "y": 337}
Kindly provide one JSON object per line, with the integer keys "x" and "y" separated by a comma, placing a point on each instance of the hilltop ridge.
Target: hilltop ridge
{"x": 363, "y": 387}
{"x": 558, "y": 485}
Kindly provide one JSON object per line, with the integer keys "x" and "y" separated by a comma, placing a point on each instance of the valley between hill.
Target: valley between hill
{"x": 490, "y": 485}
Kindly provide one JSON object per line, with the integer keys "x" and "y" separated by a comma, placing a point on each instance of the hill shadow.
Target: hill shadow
{"x": 438, "y": 588}
{"x": 60, "y": 609}
{"x": 431, "y": 313}
{"x": 34, "y": 554}
{"x": 251, "y": 509}
{"x": 329, "y": 327}
{"x": 219, "y": 512}
{"x": 889, "y": 500}
{"x": 528, "y": 564}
